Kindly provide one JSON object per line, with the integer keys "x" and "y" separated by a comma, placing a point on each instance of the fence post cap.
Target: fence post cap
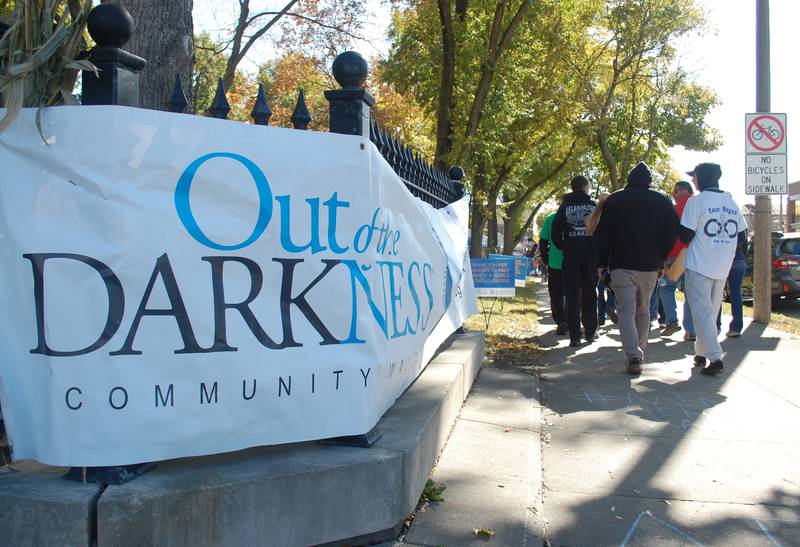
{"x": 456, "y": 173}
{"x": 110, "y": 25}
{"x": 350, "y": 70}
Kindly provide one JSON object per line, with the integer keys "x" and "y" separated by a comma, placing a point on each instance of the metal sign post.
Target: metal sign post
{"x": 762, "y": 253}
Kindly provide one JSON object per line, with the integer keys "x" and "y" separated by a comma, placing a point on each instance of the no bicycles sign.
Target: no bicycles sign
{"x": 765, "y": 158}
{"x": 766, "y": 133}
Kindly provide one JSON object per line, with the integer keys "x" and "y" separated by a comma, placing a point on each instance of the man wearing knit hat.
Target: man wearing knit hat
{"x": 579, "y": 268}
{"x": 711, "y": 225}
{"x": 636, "y": 231}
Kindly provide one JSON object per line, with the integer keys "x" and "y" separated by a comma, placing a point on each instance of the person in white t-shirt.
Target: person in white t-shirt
{"x": 711, "y": 225}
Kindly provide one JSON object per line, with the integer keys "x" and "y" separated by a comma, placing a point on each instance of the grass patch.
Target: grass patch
{"x": 432, "y": 492}
{"x": 510, "y": 338}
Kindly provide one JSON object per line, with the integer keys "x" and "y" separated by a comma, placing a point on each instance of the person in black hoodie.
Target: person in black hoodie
{"x": 638, "y": 228}
{"x": 579, "y": 268}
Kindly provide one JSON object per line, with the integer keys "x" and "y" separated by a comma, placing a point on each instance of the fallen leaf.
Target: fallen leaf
{"x": 500, "y": 486}
{"x": 618, "y": 517}
{"x": 635, "y": 491}
{"x": 613, "y": 508}
{"x": 667, "y": 502}
{"x": 486, "y": 532}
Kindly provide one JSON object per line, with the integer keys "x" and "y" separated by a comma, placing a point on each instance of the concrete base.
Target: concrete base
{"x": 299, "y": 494}
{"x": 38, "y": 508}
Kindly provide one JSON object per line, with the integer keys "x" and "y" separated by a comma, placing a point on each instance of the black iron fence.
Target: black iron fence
{"x": 117, "y": 84}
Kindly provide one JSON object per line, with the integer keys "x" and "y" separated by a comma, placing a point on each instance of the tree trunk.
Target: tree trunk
{"x": 444, "y": 110}
{"x": 509, "y": 241}
{"x": 491, "y": 228}
{"x": 477, "y": 218}
{"x": 164, "y": 36}
{"x": 477, "y": 222}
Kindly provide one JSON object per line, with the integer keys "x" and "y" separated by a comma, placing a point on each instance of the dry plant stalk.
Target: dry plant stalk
{"x": 40, "y": 54}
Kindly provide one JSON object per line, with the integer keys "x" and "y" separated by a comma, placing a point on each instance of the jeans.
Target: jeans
{"x": 688, "y": 324}
{"x": 735, "y": 278}
{"x": 666, "y": 293}
{"x": 656, "y": 309}
{"x": 605, "y": 300}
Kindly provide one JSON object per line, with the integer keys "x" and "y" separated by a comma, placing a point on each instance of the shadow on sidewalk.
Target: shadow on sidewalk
{"x": 662, "y": 409}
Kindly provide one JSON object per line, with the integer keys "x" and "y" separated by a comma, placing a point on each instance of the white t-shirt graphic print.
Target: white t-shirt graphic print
{"x": 716, "y": 221}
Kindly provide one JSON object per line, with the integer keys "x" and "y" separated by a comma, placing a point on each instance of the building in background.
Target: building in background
{"x": 792, "y": 221}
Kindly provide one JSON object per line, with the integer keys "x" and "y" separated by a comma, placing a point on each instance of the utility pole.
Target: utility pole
{"x": 762, "y": 259}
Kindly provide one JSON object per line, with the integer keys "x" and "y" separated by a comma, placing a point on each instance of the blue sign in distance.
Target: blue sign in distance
{"x": 494, "y": 276}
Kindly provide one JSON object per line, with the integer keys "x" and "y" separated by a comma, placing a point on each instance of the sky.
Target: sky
{"x": 722, "y": 59}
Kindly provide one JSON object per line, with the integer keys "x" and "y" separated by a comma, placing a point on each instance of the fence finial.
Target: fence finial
{"x": 178, "y": 102}
{"x": 456, "y": 175}
{"x": 301, "y": 117}
{"x": 350, "y": 70}
{"x": 117, "y": 83}
{"x": 350, "y": 106}
{"x": 220, "y": 107}
{"x": 261, "y": 112}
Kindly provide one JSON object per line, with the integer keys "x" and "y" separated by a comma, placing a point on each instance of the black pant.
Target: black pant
{"x": 580, "y": 280}
{"x": 555, "y": 287}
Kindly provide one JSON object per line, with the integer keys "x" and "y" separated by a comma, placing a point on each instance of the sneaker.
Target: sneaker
{"x": 575, "y": 342}
{"x": 601, "y": 322}
{"x": 689, "y": 337}
{"x": 713, "y": 369}
{"x": 635, "y": 366}
{"x": 561, "y": 329}
{"x": 733, "y": 334}
{"x": 671, "y": 328}
{"x": 699, "y": 361}
{"x": 612, "y": 314}
{"x": 661, "y": 325}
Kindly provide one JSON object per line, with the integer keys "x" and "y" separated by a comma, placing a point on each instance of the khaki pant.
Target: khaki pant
{"x": 633, "y": 289}
{"x": 704, "y": 295}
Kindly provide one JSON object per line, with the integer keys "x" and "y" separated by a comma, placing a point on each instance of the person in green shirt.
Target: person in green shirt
{"x": 553, "y": 258}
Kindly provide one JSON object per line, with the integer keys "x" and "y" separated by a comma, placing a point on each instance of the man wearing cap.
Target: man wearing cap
{"x": 636, "y": 231}
{"x": 711, "y": 225}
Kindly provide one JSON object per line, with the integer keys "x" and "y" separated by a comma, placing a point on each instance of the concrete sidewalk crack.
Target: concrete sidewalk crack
{"x": 508, "y": 427}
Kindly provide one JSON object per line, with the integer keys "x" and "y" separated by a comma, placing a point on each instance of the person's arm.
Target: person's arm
{"x": 602, "y": 233}
{"x": 685, "y": 234}
{"x": 557, "y": 229}
{"x": 688, "y": 222}
{"x": 544, "y": 250}
{"x": 670, "y": 231}
{"x": 741, "y": 241}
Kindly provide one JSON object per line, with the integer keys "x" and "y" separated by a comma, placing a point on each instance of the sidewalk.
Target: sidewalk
{"x": 586, "y": 455}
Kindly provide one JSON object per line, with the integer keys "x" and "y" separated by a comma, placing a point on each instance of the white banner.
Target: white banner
{"x": 176, "y": 285}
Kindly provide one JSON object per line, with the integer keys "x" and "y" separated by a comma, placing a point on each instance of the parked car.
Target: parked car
{"x": 785, "y": 268}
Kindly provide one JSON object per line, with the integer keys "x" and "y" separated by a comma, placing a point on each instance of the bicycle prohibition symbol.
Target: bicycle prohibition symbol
{"x": 766, "y": 133}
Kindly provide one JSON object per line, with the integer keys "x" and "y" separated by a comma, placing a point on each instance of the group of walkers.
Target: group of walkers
{"x": 633, "y": 248}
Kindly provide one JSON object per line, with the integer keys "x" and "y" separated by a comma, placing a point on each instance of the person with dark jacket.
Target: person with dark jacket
{"x": 579, "y": 268}
{"x": 637, "y": 230}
